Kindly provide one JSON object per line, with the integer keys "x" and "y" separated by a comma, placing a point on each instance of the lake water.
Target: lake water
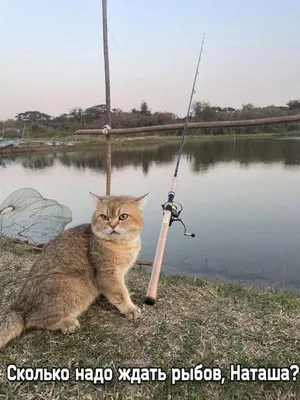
{"x": 241, "y": 198}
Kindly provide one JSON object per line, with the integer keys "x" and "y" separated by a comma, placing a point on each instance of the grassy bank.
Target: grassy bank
{"x": 157, "y": 137}
{"x": 193, "y": 322}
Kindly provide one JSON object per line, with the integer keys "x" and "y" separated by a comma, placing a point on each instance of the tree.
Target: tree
{"x": 248, "y": 107}
{"x": 94, "y": 112}
{"x": 161, "y": 118}
{"x": 294, "y": 104}
{"x": 203, "y": 111}
{"x": 61, "y": 118}
{"x": 228, "y": 109}
{"x": 76, "y": 113}
{"x": 35, "y": 120}
{"x": 144, "y": 109}
{"x": 33, "y": 117}
{"x": 62, "y": 122}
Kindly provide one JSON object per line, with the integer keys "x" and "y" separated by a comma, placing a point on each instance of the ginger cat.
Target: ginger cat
{"x": 76, "y": 267}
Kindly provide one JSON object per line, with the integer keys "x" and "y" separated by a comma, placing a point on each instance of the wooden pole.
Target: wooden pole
{"x": 196, "y": 125}
{"x": 107, "y": 93}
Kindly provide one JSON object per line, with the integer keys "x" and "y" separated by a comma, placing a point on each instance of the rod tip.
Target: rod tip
{"x": 149, "y": 301}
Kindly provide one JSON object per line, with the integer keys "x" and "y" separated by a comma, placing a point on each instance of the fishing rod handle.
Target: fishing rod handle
{"x": 153, "y": 284}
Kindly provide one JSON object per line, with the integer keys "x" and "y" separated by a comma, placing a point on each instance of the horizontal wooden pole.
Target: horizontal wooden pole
{"x": 196, "y": 125}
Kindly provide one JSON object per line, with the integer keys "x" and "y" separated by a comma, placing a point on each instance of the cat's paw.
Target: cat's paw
{"x": 133, "y": 313}
{"x": 70, "y": 326}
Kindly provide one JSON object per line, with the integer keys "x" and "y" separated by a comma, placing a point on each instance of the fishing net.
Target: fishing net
{"x": 25, "y": 215}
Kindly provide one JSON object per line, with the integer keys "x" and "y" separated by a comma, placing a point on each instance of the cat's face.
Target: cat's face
{"x": 118, "y": 217}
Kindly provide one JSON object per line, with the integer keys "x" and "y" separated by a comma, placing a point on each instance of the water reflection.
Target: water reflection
{"x": 201, "y": 155}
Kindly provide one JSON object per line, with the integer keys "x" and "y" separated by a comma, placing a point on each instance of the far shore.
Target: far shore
{"x": 37, "y": 145}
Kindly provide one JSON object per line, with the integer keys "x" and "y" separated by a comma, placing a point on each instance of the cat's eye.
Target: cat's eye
{"x": 122, "y": 217}
{"x": 105, "y": 217}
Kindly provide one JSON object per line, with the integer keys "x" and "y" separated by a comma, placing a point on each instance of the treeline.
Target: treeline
{"x": 37, "y": 122}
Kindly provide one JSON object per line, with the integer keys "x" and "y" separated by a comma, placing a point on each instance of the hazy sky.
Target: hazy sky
{"x": 52, "y": 54}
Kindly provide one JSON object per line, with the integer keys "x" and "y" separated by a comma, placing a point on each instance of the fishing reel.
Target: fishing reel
{"x": 175, "y": 213}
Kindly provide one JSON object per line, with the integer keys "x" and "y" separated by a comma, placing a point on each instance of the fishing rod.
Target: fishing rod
{"x": 170, "y": 208}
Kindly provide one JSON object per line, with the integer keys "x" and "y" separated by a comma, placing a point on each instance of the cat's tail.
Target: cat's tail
{"x": 11, "y": 326}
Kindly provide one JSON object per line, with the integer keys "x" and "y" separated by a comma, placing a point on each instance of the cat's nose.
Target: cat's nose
{"x": 113, "y": 226}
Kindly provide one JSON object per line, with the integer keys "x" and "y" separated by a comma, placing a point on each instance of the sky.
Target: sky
{"x": 52, "y": 54}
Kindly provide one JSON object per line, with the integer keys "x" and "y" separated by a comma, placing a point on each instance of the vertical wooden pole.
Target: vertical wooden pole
{"x": 107, "y": 91}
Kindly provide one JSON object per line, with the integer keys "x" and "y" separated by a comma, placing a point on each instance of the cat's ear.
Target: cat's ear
{"x": 96, "y": 197}
{"x": 141, "y": 200}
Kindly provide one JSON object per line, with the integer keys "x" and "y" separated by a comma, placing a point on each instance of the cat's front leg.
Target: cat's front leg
{"x": 115, "y": 290}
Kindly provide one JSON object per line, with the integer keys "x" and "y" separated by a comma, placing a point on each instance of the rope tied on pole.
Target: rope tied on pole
{"x": 105, "y": 129}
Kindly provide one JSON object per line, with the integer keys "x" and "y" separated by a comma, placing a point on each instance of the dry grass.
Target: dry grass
{"x": 193, "y": 322}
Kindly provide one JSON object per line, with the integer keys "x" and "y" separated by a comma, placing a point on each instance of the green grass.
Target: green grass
{"x": 192, "y": 322}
